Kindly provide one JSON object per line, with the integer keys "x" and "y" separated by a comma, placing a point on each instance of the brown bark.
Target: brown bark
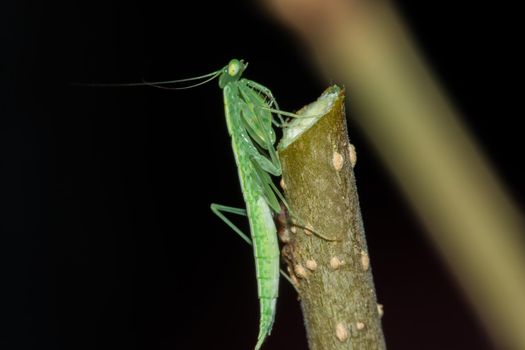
{"x": 334, "y": 278}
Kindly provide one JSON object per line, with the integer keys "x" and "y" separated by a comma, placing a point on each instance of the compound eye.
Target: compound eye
{"x": 233, "y": 68}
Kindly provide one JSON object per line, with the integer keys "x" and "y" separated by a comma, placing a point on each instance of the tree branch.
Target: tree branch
{"x": 334, "y": 278}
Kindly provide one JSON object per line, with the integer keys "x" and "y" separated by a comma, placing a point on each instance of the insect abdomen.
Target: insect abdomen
{"x": 262, "y": 226}
{"x": 265, "y": 248}
{"x": 266, "y": 251}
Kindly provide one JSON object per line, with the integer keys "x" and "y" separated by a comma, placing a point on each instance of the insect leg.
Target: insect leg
{"x": 265, "y": 91}
{"x": 254, "y": 104}
{"x": 218, "y": 210}
{"x": 292, "y": 115}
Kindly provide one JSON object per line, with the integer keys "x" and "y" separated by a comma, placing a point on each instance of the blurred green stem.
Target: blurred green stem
{"x": 433, "y": 157}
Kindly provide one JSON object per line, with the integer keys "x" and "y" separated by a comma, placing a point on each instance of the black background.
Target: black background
{"x": 107, "y": 240}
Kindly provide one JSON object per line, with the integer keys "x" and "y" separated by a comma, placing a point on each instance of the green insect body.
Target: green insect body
{"x": 250, "y": 126}
{"x": 248, "y": 109}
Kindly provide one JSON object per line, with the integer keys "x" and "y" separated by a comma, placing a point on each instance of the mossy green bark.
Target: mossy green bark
{"x": 334, "y": 278}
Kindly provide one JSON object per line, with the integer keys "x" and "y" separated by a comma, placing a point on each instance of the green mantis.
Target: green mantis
{"x": 247, "y": 106}
{"x": 249, "y": 109}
